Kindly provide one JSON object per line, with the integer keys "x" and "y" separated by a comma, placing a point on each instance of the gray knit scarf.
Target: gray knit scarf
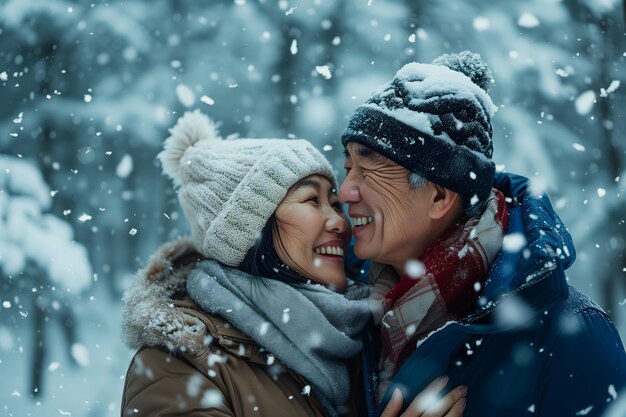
{"x": 308, "y": 327}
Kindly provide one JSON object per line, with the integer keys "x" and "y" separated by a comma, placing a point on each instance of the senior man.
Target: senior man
{"x": 467, "y": 266}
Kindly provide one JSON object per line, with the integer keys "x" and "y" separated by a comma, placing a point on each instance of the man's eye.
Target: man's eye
{"x": 347, "y": 169}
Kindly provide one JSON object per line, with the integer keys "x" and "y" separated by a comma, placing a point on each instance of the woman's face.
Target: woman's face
{"x": 313, "y": 232}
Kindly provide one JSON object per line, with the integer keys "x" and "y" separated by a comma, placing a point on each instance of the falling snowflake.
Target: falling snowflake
{"x": 584, "y": 411}
{"x": 561, "y": 73}
{"x": 185, "y": 95}
{"x": 514, "y": 242}
{"x": 324, "y": 71}
{"x": 125, "y": 166}
{"x": 584, "y": 103}
{"x": 414, "y": 268}
{"x": 80, "y": 354}
{"x": 481, "y": 23}
{"x": 612, "y": 87}
{"x": 207, "y": 100}
{"x": 211, "y": 398}
{"x": 193, "y": 385}
{"x": 528, "y": 20}
{"x": 83, "y": 217}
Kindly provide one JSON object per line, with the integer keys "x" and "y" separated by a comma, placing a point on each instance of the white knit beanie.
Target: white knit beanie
{"x": 228, "y": 189}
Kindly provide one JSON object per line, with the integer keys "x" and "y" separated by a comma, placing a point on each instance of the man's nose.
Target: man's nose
{"x": 349, "y": 192}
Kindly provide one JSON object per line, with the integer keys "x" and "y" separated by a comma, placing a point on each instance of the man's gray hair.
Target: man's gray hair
{"x": 417, "y": 181}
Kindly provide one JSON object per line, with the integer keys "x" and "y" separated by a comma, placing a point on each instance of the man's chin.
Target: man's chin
{"x": 364, "y": 251}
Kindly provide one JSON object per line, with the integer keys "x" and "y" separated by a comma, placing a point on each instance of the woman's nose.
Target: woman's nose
{"x": 336, "y": 222}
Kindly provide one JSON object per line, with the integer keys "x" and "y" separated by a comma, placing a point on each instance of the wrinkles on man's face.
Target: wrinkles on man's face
{"x": 389, "y": 182}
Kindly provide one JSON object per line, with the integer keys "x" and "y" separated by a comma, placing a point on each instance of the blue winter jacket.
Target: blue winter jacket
{"x": 534, "y": 346}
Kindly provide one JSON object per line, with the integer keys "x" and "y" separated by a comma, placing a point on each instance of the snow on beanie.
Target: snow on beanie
{"x": 228, "y": 189}
{"x": 435, "y": 120}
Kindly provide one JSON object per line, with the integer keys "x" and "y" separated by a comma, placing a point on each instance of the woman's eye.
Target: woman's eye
{"x": 337, "y": 206}
{"x": 314, "y": 199}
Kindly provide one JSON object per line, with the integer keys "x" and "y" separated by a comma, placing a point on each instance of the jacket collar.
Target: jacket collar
{"x": 158, "y": 312}
{"x": 537, "y": 250}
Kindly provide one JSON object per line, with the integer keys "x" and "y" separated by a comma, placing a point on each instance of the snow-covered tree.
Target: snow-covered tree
{"x": 37, "y": 253}
{"x": 29, "y": 234}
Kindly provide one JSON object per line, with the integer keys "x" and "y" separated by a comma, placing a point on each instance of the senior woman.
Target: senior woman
{"x": 252, "y": 315}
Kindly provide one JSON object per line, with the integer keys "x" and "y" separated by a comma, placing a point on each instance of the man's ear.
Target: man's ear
{"x": 443, "y": 202}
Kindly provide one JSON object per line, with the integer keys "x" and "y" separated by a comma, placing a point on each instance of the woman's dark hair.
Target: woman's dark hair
{"x": 262, "y": 259}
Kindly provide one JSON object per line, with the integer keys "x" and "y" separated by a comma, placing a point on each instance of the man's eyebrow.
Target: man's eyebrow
{"x": 365, "y": 153}
{"x": 362, "y": 151}
{"x": 370, "y": 155}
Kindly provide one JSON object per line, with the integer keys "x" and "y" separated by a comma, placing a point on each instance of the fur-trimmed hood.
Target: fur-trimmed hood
{"x": 159, "y": 313}
{"x": 150, "y": 317}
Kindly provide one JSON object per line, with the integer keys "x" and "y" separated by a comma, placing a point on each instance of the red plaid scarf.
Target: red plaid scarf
{"x": 454, "y": 269}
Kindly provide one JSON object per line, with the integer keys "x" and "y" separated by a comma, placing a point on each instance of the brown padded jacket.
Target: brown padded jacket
{"x": 191, "y": 363}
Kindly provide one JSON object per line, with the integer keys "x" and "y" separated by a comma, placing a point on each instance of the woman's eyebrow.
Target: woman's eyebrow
{"x": 309, "y": 183}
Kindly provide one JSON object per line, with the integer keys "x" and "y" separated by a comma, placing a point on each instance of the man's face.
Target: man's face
{"x": 391, "y": 220}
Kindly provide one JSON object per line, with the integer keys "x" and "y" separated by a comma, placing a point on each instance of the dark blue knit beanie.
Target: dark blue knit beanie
{"x": 435, "y": 120}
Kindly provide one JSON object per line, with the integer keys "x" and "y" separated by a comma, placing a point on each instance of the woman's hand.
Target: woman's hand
{"x": 428, "y": 403}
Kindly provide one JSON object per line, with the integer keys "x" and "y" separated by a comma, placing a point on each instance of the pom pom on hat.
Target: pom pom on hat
{"x": 190, "y": 129}
{"x": 470, "y": 64}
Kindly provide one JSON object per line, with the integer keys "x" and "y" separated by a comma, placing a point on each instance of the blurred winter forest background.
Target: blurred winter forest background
{"x": 88, "y": 90}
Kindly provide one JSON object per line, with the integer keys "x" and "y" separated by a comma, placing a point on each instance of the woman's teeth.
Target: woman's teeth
{"x": 330, "y": 250}
{"x": 362, "y": 221}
